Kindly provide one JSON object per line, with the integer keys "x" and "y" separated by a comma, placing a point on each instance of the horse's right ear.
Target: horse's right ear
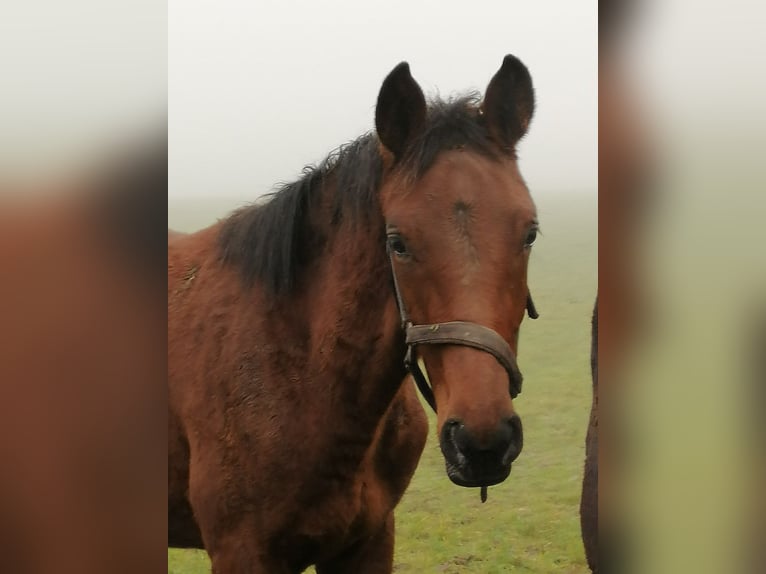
{"x": 401, "y": 110}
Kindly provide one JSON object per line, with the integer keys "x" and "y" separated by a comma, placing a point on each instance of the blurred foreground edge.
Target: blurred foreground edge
{"x": 624, "y": 171}
{"x": 83, "y": 368}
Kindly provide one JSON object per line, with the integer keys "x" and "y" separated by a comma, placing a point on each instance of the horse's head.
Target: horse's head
{"x": 460, "y": 225}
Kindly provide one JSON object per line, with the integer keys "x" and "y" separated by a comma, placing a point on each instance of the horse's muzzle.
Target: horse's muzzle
{"x": 471, "y": 462}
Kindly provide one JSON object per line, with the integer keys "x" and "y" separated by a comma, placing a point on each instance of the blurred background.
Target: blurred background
{"x": 83, "y": 209}
{"x": 681, "y": 281}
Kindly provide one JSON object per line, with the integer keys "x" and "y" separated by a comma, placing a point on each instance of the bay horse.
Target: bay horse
{"x": 292, "y": 431}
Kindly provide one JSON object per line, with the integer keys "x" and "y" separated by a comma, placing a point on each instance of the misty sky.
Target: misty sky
{"x": 257, "y": 90}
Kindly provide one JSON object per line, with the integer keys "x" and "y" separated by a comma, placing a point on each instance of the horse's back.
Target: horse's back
{"x": 188, "y": 252}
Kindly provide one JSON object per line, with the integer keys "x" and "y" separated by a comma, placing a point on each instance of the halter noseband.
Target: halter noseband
{"x": 462, "y": 333}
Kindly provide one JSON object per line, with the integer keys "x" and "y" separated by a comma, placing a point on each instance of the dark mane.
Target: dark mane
{"x": 272, "y": 242}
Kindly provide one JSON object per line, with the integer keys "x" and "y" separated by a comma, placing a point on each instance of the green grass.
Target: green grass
{"x": 530, "y": 523}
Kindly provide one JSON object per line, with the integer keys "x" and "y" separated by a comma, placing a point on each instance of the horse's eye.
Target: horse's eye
{"x": 396, "y": 244}
{"x": 531, "y": 236}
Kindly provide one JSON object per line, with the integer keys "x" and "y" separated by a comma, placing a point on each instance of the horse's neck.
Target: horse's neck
{"x": 356, "y": 339}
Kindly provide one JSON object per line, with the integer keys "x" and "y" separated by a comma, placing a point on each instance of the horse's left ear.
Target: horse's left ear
{"x": 509, "y": 102}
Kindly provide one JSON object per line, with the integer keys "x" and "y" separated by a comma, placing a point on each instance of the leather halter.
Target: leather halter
{"x": 462, "y": 333}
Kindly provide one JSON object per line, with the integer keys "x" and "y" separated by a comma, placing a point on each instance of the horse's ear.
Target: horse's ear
{"x": 401, "y": 109}
{"x": 509, "y": 102}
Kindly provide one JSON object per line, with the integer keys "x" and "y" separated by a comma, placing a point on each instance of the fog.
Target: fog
{"x": 258, "y": 90}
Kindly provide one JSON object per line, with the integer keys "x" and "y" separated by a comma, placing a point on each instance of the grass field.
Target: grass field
{"x": 530, "y": 523}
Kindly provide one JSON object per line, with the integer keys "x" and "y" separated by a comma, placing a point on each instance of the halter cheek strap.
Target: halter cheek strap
{"x": 463, "y": 333}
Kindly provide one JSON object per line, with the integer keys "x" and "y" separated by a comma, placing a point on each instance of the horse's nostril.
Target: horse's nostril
{"x": 451, "y": 431}
{"x": 451, "y": 424}
{"x": 517, "y": 438}
{"x": 503, "y": 437}
{"x": 500, "y": 441}
{"x": 461, "y": 437}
